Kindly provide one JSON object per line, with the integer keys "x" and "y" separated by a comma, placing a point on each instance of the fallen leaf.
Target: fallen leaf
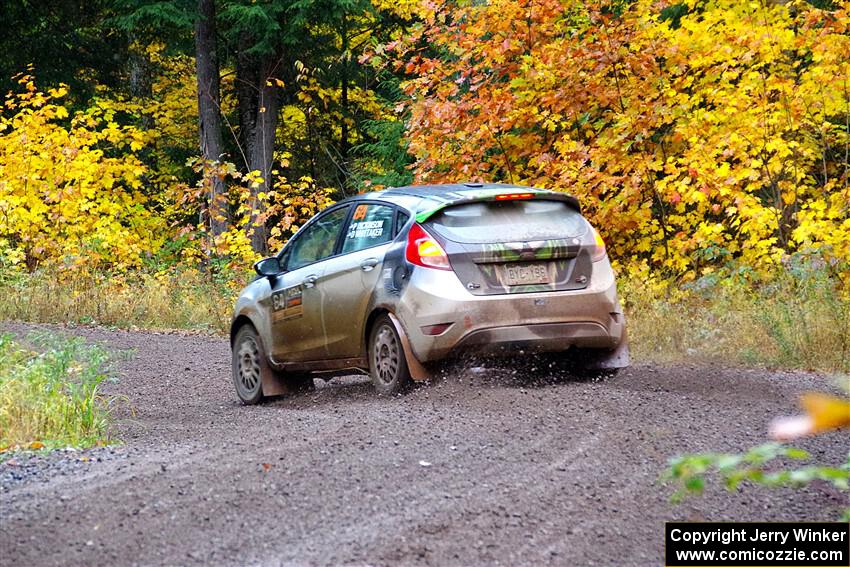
{"x": 827, "y": 412}
{"x": 823, "y": 413}
{"x": 36, "y": 445}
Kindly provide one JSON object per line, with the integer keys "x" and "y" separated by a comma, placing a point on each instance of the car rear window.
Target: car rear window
{"x": 508, "y": 221}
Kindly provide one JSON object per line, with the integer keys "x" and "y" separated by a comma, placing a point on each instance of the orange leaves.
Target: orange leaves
{"x": 826, "y": 412}
{"x": 823, "y": 413}
{"x": 720, "y": 130}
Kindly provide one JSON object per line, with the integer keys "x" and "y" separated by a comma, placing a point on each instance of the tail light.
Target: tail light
{"x": 434, "y": 330}
{"x": 597, "y": 253}
{"x": 424, "y": 251}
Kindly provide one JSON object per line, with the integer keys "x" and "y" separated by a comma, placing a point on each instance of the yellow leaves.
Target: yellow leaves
{"x": 58, "y": 92}
{"x": 58, "y": 184}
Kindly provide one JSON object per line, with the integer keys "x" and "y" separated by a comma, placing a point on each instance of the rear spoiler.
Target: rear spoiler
{"x": 500, "y": 194}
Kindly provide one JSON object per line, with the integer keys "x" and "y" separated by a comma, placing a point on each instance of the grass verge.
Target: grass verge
{"x": 179, "y": 300}
{"x": 798, "y": 318}
{"x": 50, "y": 393}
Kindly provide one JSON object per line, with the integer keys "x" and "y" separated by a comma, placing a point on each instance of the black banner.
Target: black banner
{"x": 757, "y": 544}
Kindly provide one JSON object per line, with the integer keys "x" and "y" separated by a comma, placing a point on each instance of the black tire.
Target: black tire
{"x": 249, "y": 363}
{"x": 387, "y": 364}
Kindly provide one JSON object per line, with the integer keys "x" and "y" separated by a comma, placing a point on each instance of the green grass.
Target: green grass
{"x": 50, "y": 393}
{"x": 798, "y": 319}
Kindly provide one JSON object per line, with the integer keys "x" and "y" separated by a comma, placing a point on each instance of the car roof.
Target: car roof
{"x": 426, "y": 197}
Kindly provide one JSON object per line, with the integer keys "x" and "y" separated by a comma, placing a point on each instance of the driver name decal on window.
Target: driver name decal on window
{"x": 366, "y": 229}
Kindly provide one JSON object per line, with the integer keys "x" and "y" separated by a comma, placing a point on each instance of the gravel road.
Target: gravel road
{"x": 487, "y": 466}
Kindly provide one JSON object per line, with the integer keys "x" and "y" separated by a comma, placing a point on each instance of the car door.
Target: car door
{"x": 298, "y": 331}
{"x": 351, "y": 277}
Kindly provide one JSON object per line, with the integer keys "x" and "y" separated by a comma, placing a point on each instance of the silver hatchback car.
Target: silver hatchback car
{"x": 388, "y": 283}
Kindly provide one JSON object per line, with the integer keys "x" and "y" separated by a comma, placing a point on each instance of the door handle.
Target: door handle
{"x": 368, "y": 264}
{"x": 310, "y": 281}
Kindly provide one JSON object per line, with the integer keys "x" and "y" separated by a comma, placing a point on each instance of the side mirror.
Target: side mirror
{"x": 268, "y": 267}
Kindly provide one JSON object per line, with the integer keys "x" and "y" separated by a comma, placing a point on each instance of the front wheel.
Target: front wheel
{"x": 249, "y": 364}
{"x": 387, "y": 364}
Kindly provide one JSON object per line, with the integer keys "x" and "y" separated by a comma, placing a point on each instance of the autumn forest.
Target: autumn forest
{"x": 151, "y": 150}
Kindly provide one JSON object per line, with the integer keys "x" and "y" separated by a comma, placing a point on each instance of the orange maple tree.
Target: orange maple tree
{"x": 694, "y": 133}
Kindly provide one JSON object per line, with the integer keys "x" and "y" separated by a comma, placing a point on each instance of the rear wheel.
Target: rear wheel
{"x": 387, "y": 364}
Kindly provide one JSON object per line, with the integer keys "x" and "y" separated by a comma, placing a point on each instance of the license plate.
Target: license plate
{"x": 525, "y": 274}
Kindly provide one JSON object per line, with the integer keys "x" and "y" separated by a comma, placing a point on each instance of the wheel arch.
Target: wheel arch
{"x": 239, "y": 322}
{"x": 367, "y": 328}
{"x": 418, "y": 372}
{"x": 273, "y": 383}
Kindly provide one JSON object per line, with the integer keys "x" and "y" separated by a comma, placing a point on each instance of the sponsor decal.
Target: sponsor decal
{"x": 360, "y": 212}
{"x": 287, "y": 303}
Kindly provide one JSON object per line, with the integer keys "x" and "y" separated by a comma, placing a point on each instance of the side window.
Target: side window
{"x": 317, "y": 241}
{"x": 370, "y": 225}
{"x": 400, "y": 222}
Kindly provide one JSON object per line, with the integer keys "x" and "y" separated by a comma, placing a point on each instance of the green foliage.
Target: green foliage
{"x": 689, "y": 472}
{"x": 811, "y": 321}
{"x": 384, "y": 158}
{"x": 150, "y": 15}
{"x": 50, "y": 396}
{"x": 68, "y": 42}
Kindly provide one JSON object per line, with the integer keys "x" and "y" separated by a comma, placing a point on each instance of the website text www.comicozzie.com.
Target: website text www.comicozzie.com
{"x": 778, "y": 555}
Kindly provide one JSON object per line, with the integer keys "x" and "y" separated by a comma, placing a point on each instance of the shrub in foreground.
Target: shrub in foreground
{"x": 50, "y": 395}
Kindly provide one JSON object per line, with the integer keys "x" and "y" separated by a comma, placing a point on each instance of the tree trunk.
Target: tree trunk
{"x": 344, "y": 144}
{"x": 209, "y": 105}
{"x": 140, "y": 78}
{"x": 261, "y": 154}
{"x": 247, "y": 79}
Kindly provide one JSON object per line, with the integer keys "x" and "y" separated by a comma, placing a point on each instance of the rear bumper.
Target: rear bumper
{"x": 543, "y": 337}
{"x": 549, "y": 321}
